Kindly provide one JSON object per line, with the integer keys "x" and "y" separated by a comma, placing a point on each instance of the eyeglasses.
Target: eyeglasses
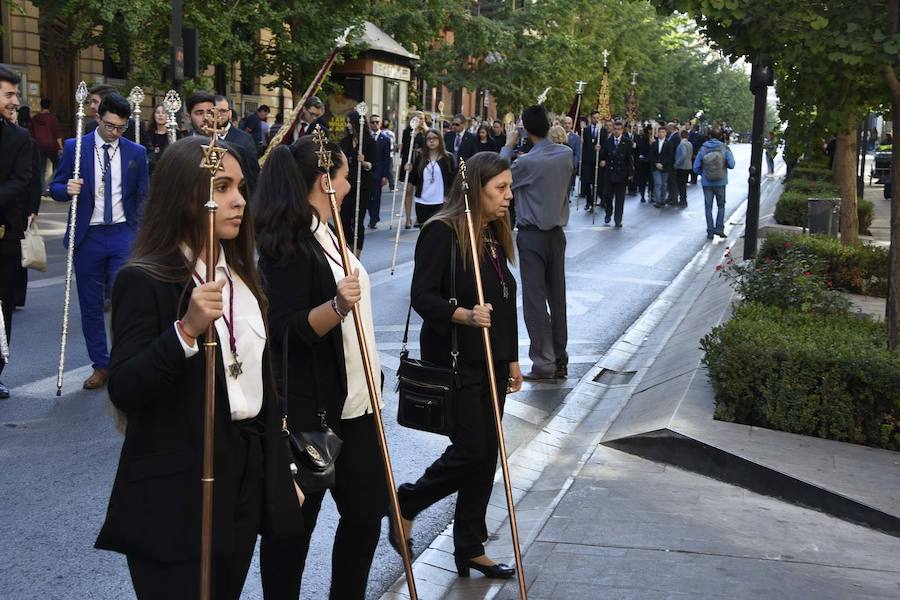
{"x": 112, "y": 128}
{"x": 457, "y": 124}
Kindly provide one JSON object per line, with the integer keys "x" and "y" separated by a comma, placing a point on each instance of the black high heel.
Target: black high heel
{"x": 497, "y": 571}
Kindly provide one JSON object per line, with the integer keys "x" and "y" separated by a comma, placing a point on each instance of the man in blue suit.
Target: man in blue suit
{"x": 380, "y": 170}
{"x": 110, "y": 199}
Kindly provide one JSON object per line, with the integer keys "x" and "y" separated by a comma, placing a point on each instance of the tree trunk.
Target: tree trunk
{"x": 845, "y": 177}
{"x": 892, "y": 314}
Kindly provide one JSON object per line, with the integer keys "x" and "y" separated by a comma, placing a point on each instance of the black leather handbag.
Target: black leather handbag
{"x": 427, "y": 391}
{"x": 313, "y": 453}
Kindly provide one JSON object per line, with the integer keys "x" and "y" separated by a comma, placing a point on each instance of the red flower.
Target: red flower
{"x": 788, "y": 245}
{"x": 718, "y": 268}
{"x": 807, "y": 273}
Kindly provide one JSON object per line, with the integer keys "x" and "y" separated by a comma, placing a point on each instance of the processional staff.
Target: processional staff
{"x": 172, "y": 104}
{"x": 495, "y": 396}
{"x": 213, "y": 155}
{"x": 81, "y": 95}
{"x": 135, "y": 97}
{"x": 363, "y": 109}
{"x": 413, "y": 125}
{"x": 325, "y": 162}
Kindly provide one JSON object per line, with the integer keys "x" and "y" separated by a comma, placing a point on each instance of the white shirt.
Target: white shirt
{"x": 432, "y": 184}
{"x": 115, "y": 169}
{"x": 357, "y": 403}
{"x": 245, "y": 392}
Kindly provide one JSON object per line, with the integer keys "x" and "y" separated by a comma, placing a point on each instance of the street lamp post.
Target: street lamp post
{"x": 760, "y": 79}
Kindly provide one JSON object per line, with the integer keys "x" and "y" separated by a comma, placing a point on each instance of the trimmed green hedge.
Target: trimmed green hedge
{"x": 807, "y": 171}
{"x": 791, "y": 210}
{"x": 830, "y": 376}
{"x": 814, "y": 188}
{"x": 861, "y": 269}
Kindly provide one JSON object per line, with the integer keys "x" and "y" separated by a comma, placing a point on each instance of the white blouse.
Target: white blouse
{"x": 357, "y": 402}
{"x": 432, "y": 184}
{"x": 245, "y": 392}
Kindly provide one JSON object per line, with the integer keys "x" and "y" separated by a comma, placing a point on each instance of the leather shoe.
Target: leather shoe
{"x": 97, "y": 379}
{"x": 532, "y": 376}
{"x": 392, "y": 536}
{"x": 562, "y": 371}
{"x": 495, "y": 571}
{"x": 607, "y": 220}
{"x": 4, "y": 391}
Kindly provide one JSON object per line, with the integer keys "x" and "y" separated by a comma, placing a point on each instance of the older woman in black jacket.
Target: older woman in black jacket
{"x": 467, "y": 466}
{"x": 161, "y": 308}
{"x": 309, "y": 300}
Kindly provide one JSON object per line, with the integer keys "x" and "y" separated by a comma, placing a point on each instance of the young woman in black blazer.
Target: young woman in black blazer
{"x": 431, "y": 176}
{"x": 161, "y": 308}
{"x": 467, "y": 466}
{"x": 309, "y": 300}
{"x": 350, "y": 146}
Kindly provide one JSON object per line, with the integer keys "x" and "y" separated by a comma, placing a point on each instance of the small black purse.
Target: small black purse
{"x": 313, "y": 453}
{"x": 428, "y": 392}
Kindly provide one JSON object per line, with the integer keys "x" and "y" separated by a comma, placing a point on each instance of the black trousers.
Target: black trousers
{"x": 614, "y": 191}
{"x": 361, "y": 496}
{"x": 155, "y": 580}
{"x": 672, "y": 187}
{"x": 682, "y": 181}
{"x": 643, "y": 179}
{"x": 348, "y": 216}
{"x": 10, "y": 264}
{"x": 426, "y": 211}
{"x": 468, "y": 464}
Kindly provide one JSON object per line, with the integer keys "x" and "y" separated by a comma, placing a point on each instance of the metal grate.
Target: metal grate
{"x": 610, "y": 377}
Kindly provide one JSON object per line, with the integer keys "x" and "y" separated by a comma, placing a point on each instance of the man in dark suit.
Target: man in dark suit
{"x": 311, "y": 114}
{"x": 593, "y": 134}
{"x": 253, "y": 127}
{"x": 459, "y": 142}
{"x": 241, "y": 140}
{"x": 617, "y": 162}
{"x": 661, "y": 154}
{"x": 110, "y": 199}
{"x": 380, "y": 170}
{"x": 672, "y": 142}
{"x": 16, "y": 154}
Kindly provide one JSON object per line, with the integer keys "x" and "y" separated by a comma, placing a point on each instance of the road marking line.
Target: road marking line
{"x": 46, "y": 387}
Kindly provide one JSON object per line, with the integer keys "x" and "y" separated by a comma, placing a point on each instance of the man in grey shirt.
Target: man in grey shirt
{"x": 540, "y": 188}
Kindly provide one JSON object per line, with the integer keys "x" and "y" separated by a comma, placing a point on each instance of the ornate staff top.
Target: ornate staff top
{"x": 465, "y": 181}
{"x": 362, "y": 108}
{"x": 634, "y": 78}
{"x": 605, "y": 58}
{"x": 543, "y": 96}
{"x": 579, "y": 86}
{"x": 81, "y": 93}
{"x": 213, "y": 156}
{"x": 172, "y": 102}
{"x": 325, "y": 160}
{"x": 441, "y": 107}
{"x": 136, "y": 96}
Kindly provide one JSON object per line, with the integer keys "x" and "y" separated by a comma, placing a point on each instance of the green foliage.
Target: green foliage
{"x": 808, "y": 171}
{"x": 813, "y": 188}
{"x": 860, "y": 269}
{"x": 794, "y": 281}
{"x": 792, "y": 206}
{"x": 830, "y": 376}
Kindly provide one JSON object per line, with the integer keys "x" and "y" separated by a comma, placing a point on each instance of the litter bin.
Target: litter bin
{"x": 822, "y": 215}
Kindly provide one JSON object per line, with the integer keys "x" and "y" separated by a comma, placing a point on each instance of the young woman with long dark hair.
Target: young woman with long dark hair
{"x": 468, "y": 465}
{"x": 161, "y": 308}
{"x": 310, "y": 300}
{"x": 431, "y": 177}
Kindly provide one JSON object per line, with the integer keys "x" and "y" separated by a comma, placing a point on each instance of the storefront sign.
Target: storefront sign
{"x": 390, "y": 71}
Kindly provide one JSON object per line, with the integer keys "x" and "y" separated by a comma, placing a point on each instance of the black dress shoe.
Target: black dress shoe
{"x": 562, "y": 371}
{"x": 618, "y": 226}
{"x": 721, "y": 234}
{"x": 4, "y": 391}
{"x": 497, "y": 571}
{"x": 532, "y": 376}
{"x": 607, "y": 220}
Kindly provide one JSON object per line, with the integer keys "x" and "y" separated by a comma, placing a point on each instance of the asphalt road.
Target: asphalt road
{"x": 58, "y": 455}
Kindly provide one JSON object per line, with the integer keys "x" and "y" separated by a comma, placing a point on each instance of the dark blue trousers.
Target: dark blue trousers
{"x": 98, "y": 258}
{"x": 375, "y": 201}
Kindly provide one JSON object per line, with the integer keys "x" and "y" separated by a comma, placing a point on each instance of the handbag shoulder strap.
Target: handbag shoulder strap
{"x": 454, "y": 342}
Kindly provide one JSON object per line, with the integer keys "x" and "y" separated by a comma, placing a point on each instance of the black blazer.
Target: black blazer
{"x": 248, "y": 155}
{"x": 155, "y": 506}
{"x": 465, "y": 144}
{"x": 430, "y": 297}
{"x": 448, "y": 167}
{"x": 368, "y": 150}
{"x": 666, "y": 157}
{"x": 418, "y": 142}
{"x": 316, "y": 369}
{"x": 16, "y": 170}
{"x": 619, "y": 161}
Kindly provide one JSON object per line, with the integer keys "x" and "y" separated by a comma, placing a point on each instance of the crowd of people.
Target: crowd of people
{"x": 281, "y": 298}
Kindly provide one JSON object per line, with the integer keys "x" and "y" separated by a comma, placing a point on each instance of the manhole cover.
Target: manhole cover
{"x": 610, "y": 377}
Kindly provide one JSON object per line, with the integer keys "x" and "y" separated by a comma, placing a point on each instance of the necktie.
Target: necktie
{"x": 456, "y": 143}
{"x": 617, "y": 143}
{"x": 107, "y": 186}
